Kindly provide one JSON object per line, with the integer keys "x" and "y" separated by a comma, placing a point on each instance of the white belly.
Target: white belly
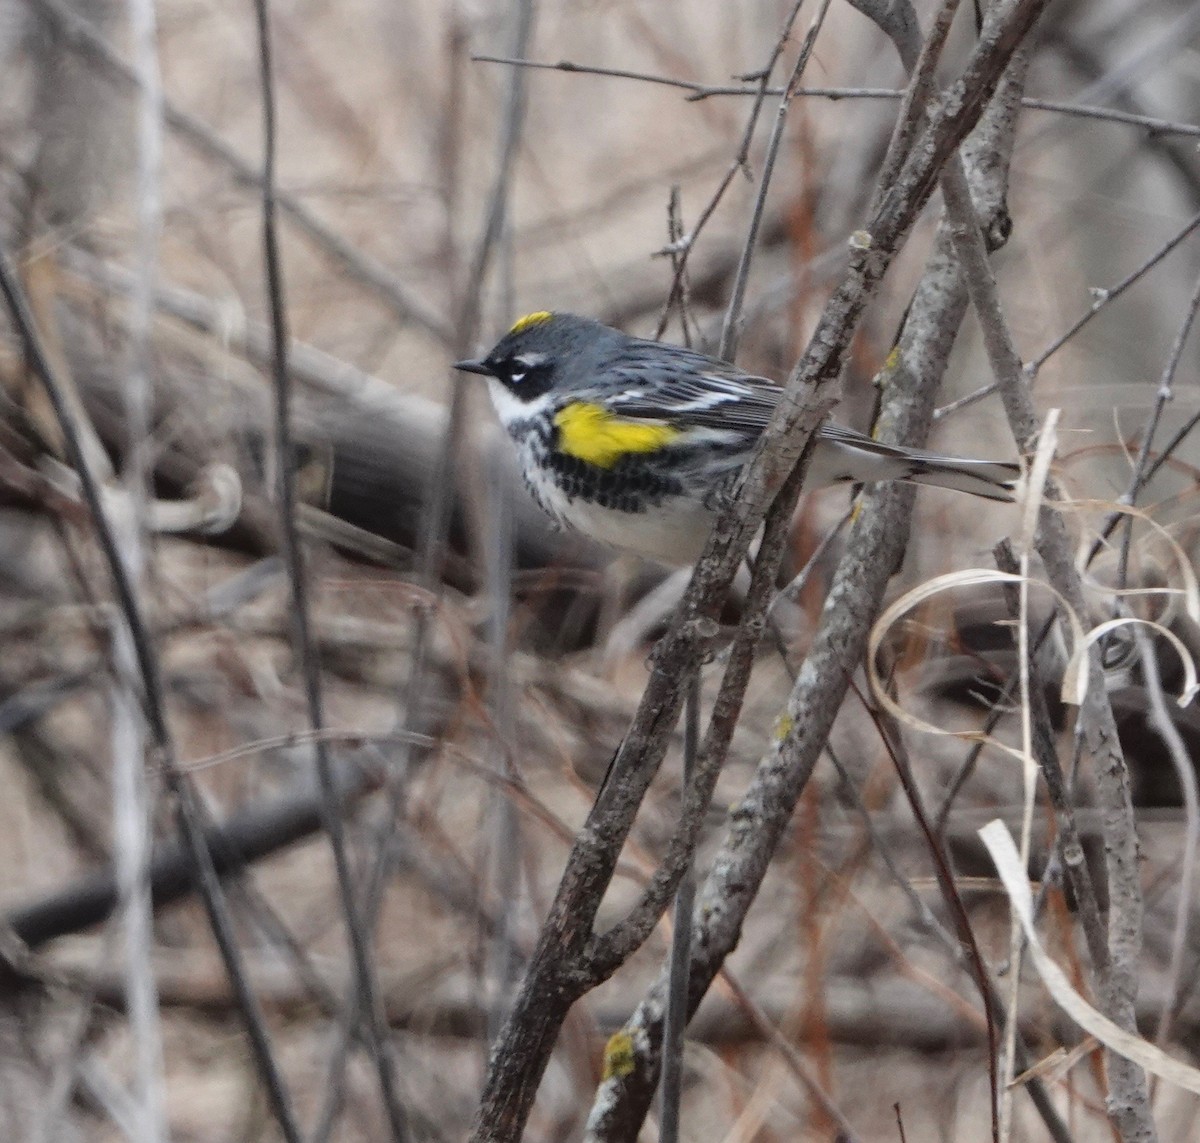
{"x": 673, "y": 533}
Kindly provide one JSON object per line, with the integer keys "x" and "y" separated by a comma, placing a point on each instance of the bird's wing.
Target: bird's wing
{"x": 700, "y": 397}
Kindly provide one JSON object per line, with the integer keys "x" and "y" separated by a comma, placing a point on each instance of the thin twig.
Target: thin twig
{"x": 792, "y": 1058}
{"x": 680, "y": 250}
{"x": 1166, "y": 391}
{"x": 880, "y": 845}
{"x": 366, "y": 987}
{"x": 737, "y": 292}
{"x": 675, "y": 1020}
{"x": 956, "y": 949}
{"x": 1102, "y": 298}
{"x": 678, "y": 295}
{"x": 442, "y": 481}
{"x": 699, "y": 91}
{"x": 1069, "y": 841}
{"x": 435, "y": 511}
{"x": 1000, "y": 707}
{"x": 893, "y": 743}
{"x": 678, "y": 975}
{"x": 503, "y": 959}
{"x": 496, "y": 213}
{"x": 792, "y": 590}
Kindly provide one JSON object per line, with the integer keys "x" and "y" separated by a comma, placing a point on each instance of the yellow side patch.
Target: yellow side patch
{"x": 536, "y": 318}
{"x": 591, "y": 433}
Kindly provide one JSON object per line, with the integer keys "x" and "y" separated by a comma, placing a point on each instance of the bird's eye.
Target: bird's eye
{"x": 519, "y": 368}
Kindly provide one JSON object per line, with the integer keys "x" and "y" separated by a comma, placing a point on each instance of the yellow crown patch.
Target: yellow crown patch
{"x": 591, "y": 433}
{"x": 535, "y": 318}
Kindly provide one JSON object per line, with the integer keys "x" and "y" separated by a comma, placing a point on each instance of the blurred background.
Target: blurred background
{"x": 476, "y": 689}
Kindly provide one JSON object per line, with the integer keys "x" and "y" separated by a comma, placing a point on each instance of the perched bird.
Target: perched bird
{"x": 633, "y": 442}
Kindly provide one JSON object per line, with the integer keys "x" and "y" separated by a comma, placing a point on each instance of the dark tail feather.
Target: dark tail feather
{"x": 990, "y": 479}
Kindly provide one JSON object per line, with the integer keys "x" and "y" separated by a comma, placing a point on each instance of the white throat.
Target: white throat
{"x": 511, "y": 410}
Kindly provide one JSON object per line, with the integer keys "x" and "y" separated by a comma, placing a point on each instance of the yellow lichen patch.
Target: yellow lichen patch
{"x": 784, "y": 725}
{"x": 619, "y": 1056}
{"x": 893, "y": 358}
{"x": 535, "y": 318}
{"x": 591, "y": 433}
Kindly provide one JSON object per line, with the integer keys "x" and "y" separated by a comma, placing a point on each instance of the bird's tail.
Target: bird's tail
{"x": 845, "y": 455}
{"x": 991, "y": 479}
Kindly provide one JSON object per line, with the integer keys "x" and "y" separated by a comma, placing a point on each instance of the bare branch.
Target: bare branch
{"x": 733, "y": 312}
{"x": 245, "y": 837}
{"x": 1153, "y": 125}
{"x": 366, "y": 987}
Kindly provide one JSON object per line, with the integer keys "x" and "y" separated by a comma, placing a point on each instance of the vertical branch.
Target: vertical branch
{"x": 443, "y": 481}
{"x": 131, "y": 801}
{"x": 677, "y": 1007}
{"x": 893, "y": 741}
{"x": 676, "y": 1018}
{"x": 729, "y": 330}
{"x": 1166, "y": 390}
{"x": 681, "y": 247}
{"x": 678, "y": 296}
{"x": 1128, "y": 1104}
{"x": 436, "y": 511}
{"x": 505, "y": 834}
{"x": 496, "y": 216}
{"x": 131, "y": 866}
{"x": 366, "y": 988}
{"x": 680, "y": 955}
{"x": 467, "y": 325}
{"x": 498, "y": 559}
{"x": 1016, "y": 941}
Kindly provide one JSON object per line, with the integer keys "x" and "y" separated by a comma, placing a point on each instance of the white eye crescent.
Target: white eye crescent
{"x": 520, "y": 367}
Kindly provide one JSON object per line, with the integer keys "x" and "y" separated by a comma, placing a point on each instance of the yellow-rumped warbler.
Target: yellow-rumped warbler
{"x": 633, "y": 442}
